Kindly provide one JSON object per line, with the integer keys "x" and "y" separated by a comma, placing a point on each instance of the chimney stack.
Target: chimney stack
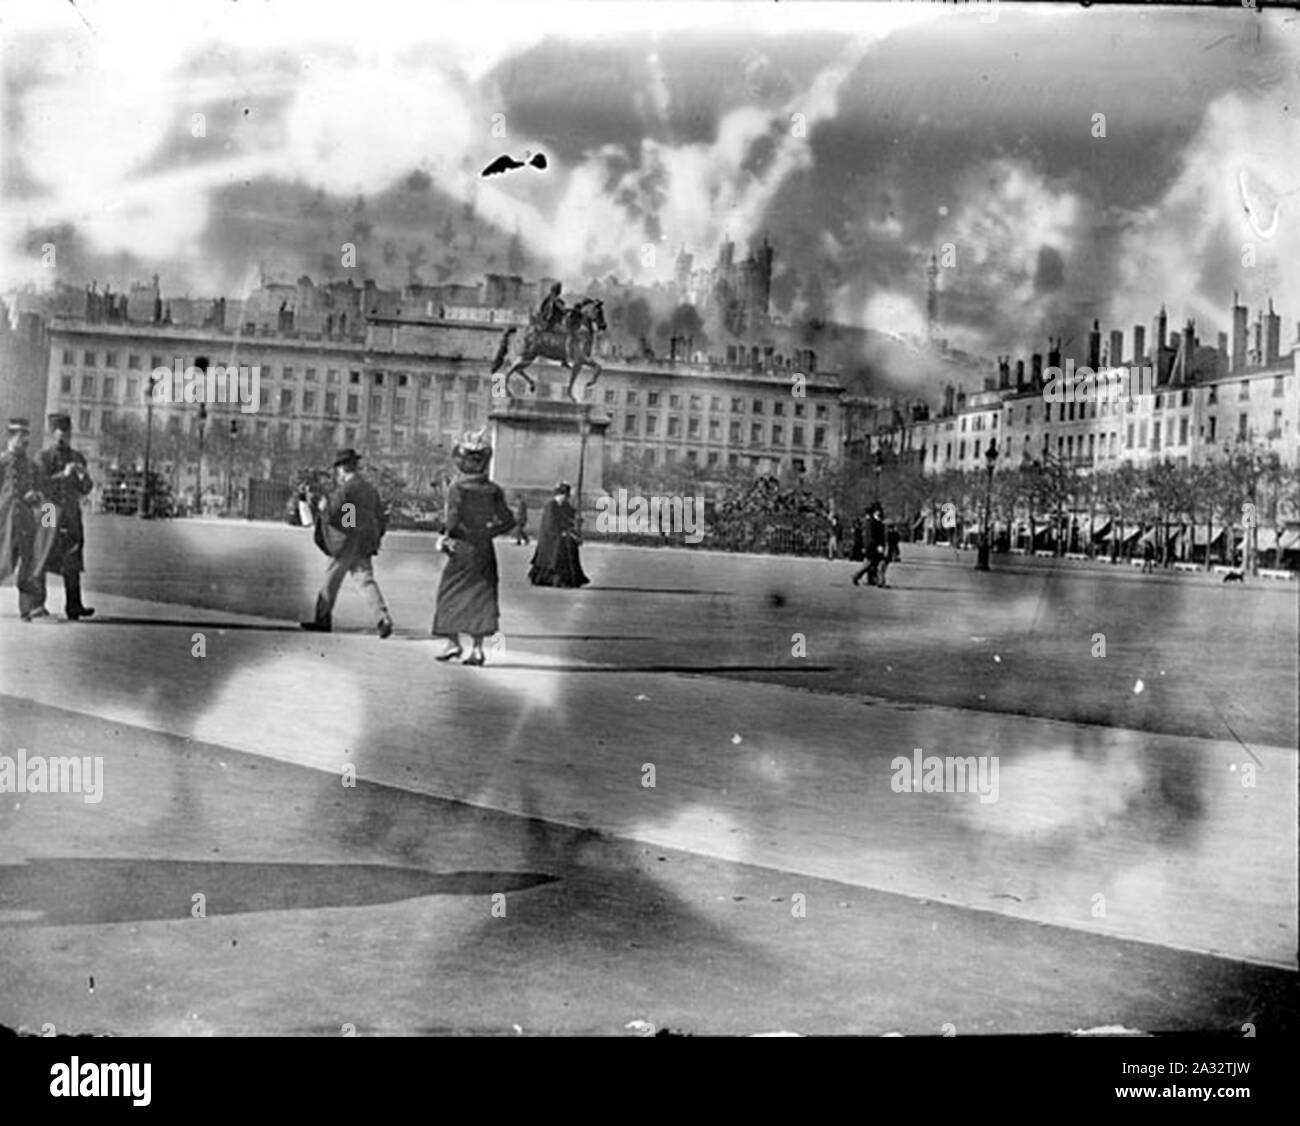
{"x": 1094, "y": 346}
{"x": 1020, "y": 374}
{"x": 1257, "y": 339}
{"x": 1036, "y": 370}
{"x": 1116, "y": 347}
{"x": 1139, "y": 344}
{"x": 1188, "y": 350}
{"x": 1272, "y": 335}
{"x": 1238, "y": 334}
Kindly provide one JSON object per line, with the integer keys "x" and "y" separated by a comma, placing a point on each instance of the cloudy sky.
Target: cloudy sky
{"x": 860, "y": 138}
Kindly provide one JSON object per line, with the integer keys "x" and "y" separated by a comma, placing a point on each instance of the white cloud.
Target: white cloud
{"x": 895, "y": 314}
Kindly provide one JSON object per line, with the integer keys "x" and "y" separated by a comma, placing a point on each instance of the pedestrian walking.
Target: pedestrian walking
{"x": 858, "y": 552}
{"x": 468, "y": 601}
{"x": 833, "y": 542}
{"x": 1148, "y": 558}
{"x": 521, "y": 520}
{"x": 22, "y": 546}
{"x": 556, "y": 561}
{"x": 890, "y": 553}
{"x": 350, "y": 524}
{"x": 64, "y": 480}
{"x": 874, "y": 535}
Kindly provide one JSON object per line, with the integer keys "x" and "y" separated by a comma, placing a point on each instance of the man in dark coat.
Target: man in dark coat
{"x": 349, "y": 527}
{"x": 874, "y": 534}
{"x": 64, "y": 480}
{"x": 22, "y": 547}
{"x": 556, "y": 562}
{"x": 468, "y": 591}
{"x": 858, "y": 552}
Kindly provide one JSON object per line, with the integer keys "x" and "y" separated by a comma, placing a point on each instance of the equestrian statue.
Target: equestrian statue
{"x": 560, "y": 333}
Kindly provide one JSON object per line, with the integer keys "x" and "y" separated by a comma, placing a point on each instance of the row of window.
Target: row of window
{"x": 286, "y": 372}
{"x": 1065, "y": 444}
{"x": 694, "y": 428}
{"x": 105, "y": 387}
{"x": 775, "y": 407}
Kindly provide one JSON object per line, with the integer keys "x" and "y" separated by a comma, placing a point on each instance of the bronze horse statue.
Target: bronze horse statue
{"x": 572, "y": 347}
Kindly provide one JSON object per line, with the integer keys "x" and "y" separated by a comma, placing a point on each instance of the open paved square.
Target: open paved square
{"x": 671, "y": 796}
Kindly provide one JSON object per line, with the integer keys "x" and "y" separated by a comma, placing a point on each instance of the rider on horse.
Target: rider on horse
{"x": 550, "y": 315}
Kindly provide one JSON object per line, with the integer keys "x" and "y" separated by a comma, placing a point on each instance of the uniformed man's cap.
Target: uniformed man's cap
{"x": 347, "y": 457}
{"x": 19, "y": 426}
{"x": 563, "y": 487}
{"x": 60, "y": 421}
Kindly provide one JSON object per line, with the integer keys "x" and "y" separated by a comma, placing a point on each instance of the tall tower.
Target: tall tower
{"x": 932, "y": 300}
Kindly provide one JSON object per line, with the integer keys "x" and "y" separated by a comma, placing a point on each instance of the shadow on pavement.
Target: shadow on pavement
{"x": 594, "y": 589}
{"x": 181, "y": 623}
{"x": 79, "y": 890}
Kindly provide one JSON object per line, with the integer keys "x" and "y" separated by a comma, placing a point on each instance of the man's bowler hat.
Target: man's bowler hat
{"x": 346, "y": 457}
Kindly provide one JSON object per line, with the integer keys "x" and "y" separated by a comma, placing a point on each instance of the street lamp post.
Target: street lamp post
{"x": 230, "y": 464}
{"x": 146, "y": 506}
{"x": 584, "y": 428}
{"x": 990, "y": 457}
{"x": 879, "y": 466}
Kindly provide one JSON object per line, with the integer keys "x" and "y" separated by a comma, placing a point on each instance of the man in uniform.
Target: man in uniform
{"x": 64, "y": 480}
{"x": 19, "y": 523}
{"x": 350, "y": 526}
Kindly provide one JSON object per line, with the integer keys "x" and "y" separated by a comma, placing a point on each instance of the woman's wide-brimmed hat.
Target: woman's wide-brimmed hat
{"x": 473, "y": 452}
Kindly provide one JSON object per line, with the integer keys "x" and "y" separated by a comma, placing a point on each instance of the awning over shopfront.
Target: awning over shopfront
{"x": 1198, "y": 535}
{"x": 1266, "y": 540}
{"x": 1291, "y": 539}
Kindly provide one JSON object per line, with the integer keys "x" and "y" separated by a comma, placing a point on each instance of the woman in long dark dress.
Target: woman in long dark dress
{"x": 467, "y": 594}
{"x": 555, "y": 562}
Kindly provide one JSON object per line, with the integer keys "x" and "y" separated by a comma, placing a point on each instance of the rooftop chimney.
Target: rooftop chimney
{"x": 1272, "y": 335}
{"x": 1238, "y": 334}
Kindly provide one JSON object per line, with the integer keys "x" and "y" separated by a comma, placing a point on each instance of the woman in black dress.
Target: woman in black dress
{"x": 476, "y": 511}
{"x": 555, "y": 562}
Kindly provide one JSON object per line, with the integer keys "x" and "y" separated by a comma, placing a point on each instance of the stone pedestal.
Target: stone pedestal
{"x": 537, "y": 442}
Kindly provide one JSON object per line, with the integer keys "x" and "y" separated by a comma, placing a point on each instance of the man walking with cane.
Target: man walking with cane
{"x": 350, "y": 524}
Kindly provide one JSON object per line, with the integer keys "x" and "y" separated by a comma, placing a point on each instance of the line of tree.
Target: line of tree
{"x": 1244, "y": 488}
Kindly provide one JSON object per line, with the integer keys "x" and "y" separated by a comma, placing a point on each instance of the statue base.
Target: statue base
{"x": 537, "y": 443}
